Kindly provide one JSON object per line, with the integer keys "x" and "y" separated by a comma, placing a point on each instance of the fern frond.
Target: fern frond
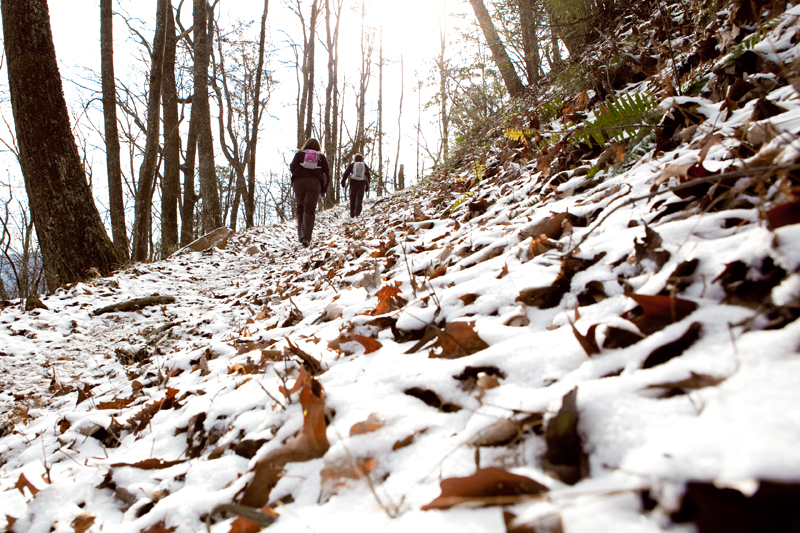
{"x": 618, "y": 119}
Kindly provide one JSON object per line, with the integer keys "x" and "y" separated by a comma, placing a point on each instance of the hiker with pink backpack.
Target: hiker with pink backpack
{"x": 310, "y": 173}
{"x": 358, "y": 172}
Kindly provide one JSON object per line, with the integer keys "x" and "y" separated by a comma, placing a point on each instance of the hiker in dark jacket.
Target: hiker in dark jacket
{"x": 358, "y": 172}
{"x": 310, "y": 181}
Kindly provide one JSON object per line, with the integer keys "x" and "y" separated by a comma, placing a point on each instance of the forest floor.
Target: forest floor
{"x": 519, "y": 350}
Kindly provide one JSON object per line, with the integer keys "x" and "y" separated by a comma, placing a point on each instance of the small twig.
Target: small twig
{"x": 283, "y": 380}
{"x": 410, "y": 275}
{"x": 390, "y": 513}
{"x": 270, "y": 395}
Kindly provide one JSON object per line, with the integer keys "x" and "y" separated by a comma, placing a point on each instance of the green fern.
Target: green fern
{"x": 618, "y": 119}
{"x": 532, "y": 202}
{"x": 592, "y": 172}
{"x": 452, "y": 209}
{"x": 550, "y": 110}
{"x": 749, "y": 42}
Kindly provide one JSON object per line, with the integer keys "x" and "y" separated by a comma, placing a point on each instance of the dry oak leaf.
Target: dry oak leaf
{"x": 659, "y": 311}
{"x": 249, "y": 346}
{"x": 116, "y": 403}
{"x": 487, "y": 486}
{"x": 142, "y": 418}
{"x": 337, "y": 474}
{"x": 550, "y": 227}
{"x": 151, "y": 464}
{"x": 784, "y": 215}
{"x": 389, "y": 299}
{"x": 374, "y": 422}
{"x": 82, "y": 522}
{"x": 457, "y": 339}
{"x": 23, "y": 482}
{"x": 243, "y": 525}
{"x": 370, "y": 345}
{"x": 693, "y": 382}
{"x": 159, "y": 528}
{"x": 587, "y": 342}
{"x": 310, "y": 443}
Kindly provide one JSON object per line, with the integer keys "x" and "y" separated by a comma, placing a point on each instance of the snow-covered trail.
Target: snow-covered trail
{"x": 66, "y": 340}
{"x": 622, "y": 344}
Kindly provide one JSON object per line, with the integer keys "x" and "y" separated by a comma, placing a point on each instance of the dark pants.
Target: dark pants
{"x": 357, "y": 188}
{"x": 306, "y": 190}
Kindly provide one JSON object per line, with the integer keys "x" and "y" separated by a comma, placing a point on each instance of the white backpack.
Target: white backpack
{"x": 358, "y": 171}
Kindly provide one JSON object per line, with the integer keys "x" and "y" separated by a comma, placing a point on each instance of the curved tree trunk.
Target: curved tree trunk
{"x": 70, "y": 232}
{"x": 113, "y": 164}
{"x": 143, "y": 212}
{"x": 499, "y": 54}
{"x": 203, "y": 33}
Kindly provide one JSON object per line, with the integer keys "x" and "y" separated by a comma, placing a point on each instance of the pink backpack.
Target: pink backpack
{"x": 311, "y": 160}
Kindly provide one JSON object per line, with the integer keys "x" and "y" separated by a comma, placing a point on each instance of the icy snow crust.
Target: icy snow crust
{"x": 744, "y": 428}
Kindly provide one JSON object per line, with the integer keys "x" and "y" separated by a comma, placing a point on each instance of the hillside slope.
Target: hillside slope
{"x": 589, "y": 342}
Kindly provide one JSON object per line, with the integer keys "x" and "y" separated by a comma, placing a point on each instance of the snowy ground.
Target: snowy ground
{"x": 148, "y": 420}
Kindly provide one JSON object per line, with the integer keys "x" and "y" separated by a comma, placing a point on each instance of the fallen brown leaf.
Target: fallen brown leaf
{"x": 23, "y": 482}
{"x": 373, "y": 423}
{"x": 82, "y": 522}
{"x": 457, "y": 339}
{"x": 370, "y": 345}
{"x": 150, "y": 464}
{"x": 310, "y": 443}
{"x": 488, "y": 486}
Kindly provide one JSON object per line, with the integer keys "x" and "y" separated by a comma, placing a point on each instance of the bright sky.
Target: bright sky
{"x": 410, "y": 26}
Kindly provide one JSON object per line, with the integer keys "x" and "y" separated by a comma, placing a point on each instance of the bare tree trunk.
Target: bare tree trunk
{"x": 71, "y": 235}
{"x": 332, "y": 99}
{"x": 142, "y": 224}
{"x": 171, "y": 184}
{"x": 501, "y": 59}
{"x": 113, "y": 163}
{"x": 360, "y": 140}
{"x": 419, "y": 123}
{"x": 312, "y": 39}
{"x": 189, "y": 195}
{"x": 381, "y": 183}
{"x": 203, "y": 33}
{"x": 249, "y": 203}
{"x": 530, "y": 40}
{"x": 305, "y": 107}
{"x": 399, "y": 182}
{"x": 228, "y": 138}
{"x": 444, "y": 115}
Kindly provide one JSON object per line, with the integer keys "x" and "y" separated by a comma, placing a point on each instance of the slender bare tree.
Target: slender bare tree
{"x": 305, "y": 107}
{"x": 530, "y": 39}
{"x": 171, "y": 184}
{"x": 443, "y": 66}
{"x": 365, "y": 73}
{"x": 258, "y": 110}
{"x": 143, "y": 210}
{"x": 332, "y": 98}
{"x": 397, "y": 179}
{"x": 201, "y": 114}
{"x": 113, "y": 163}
